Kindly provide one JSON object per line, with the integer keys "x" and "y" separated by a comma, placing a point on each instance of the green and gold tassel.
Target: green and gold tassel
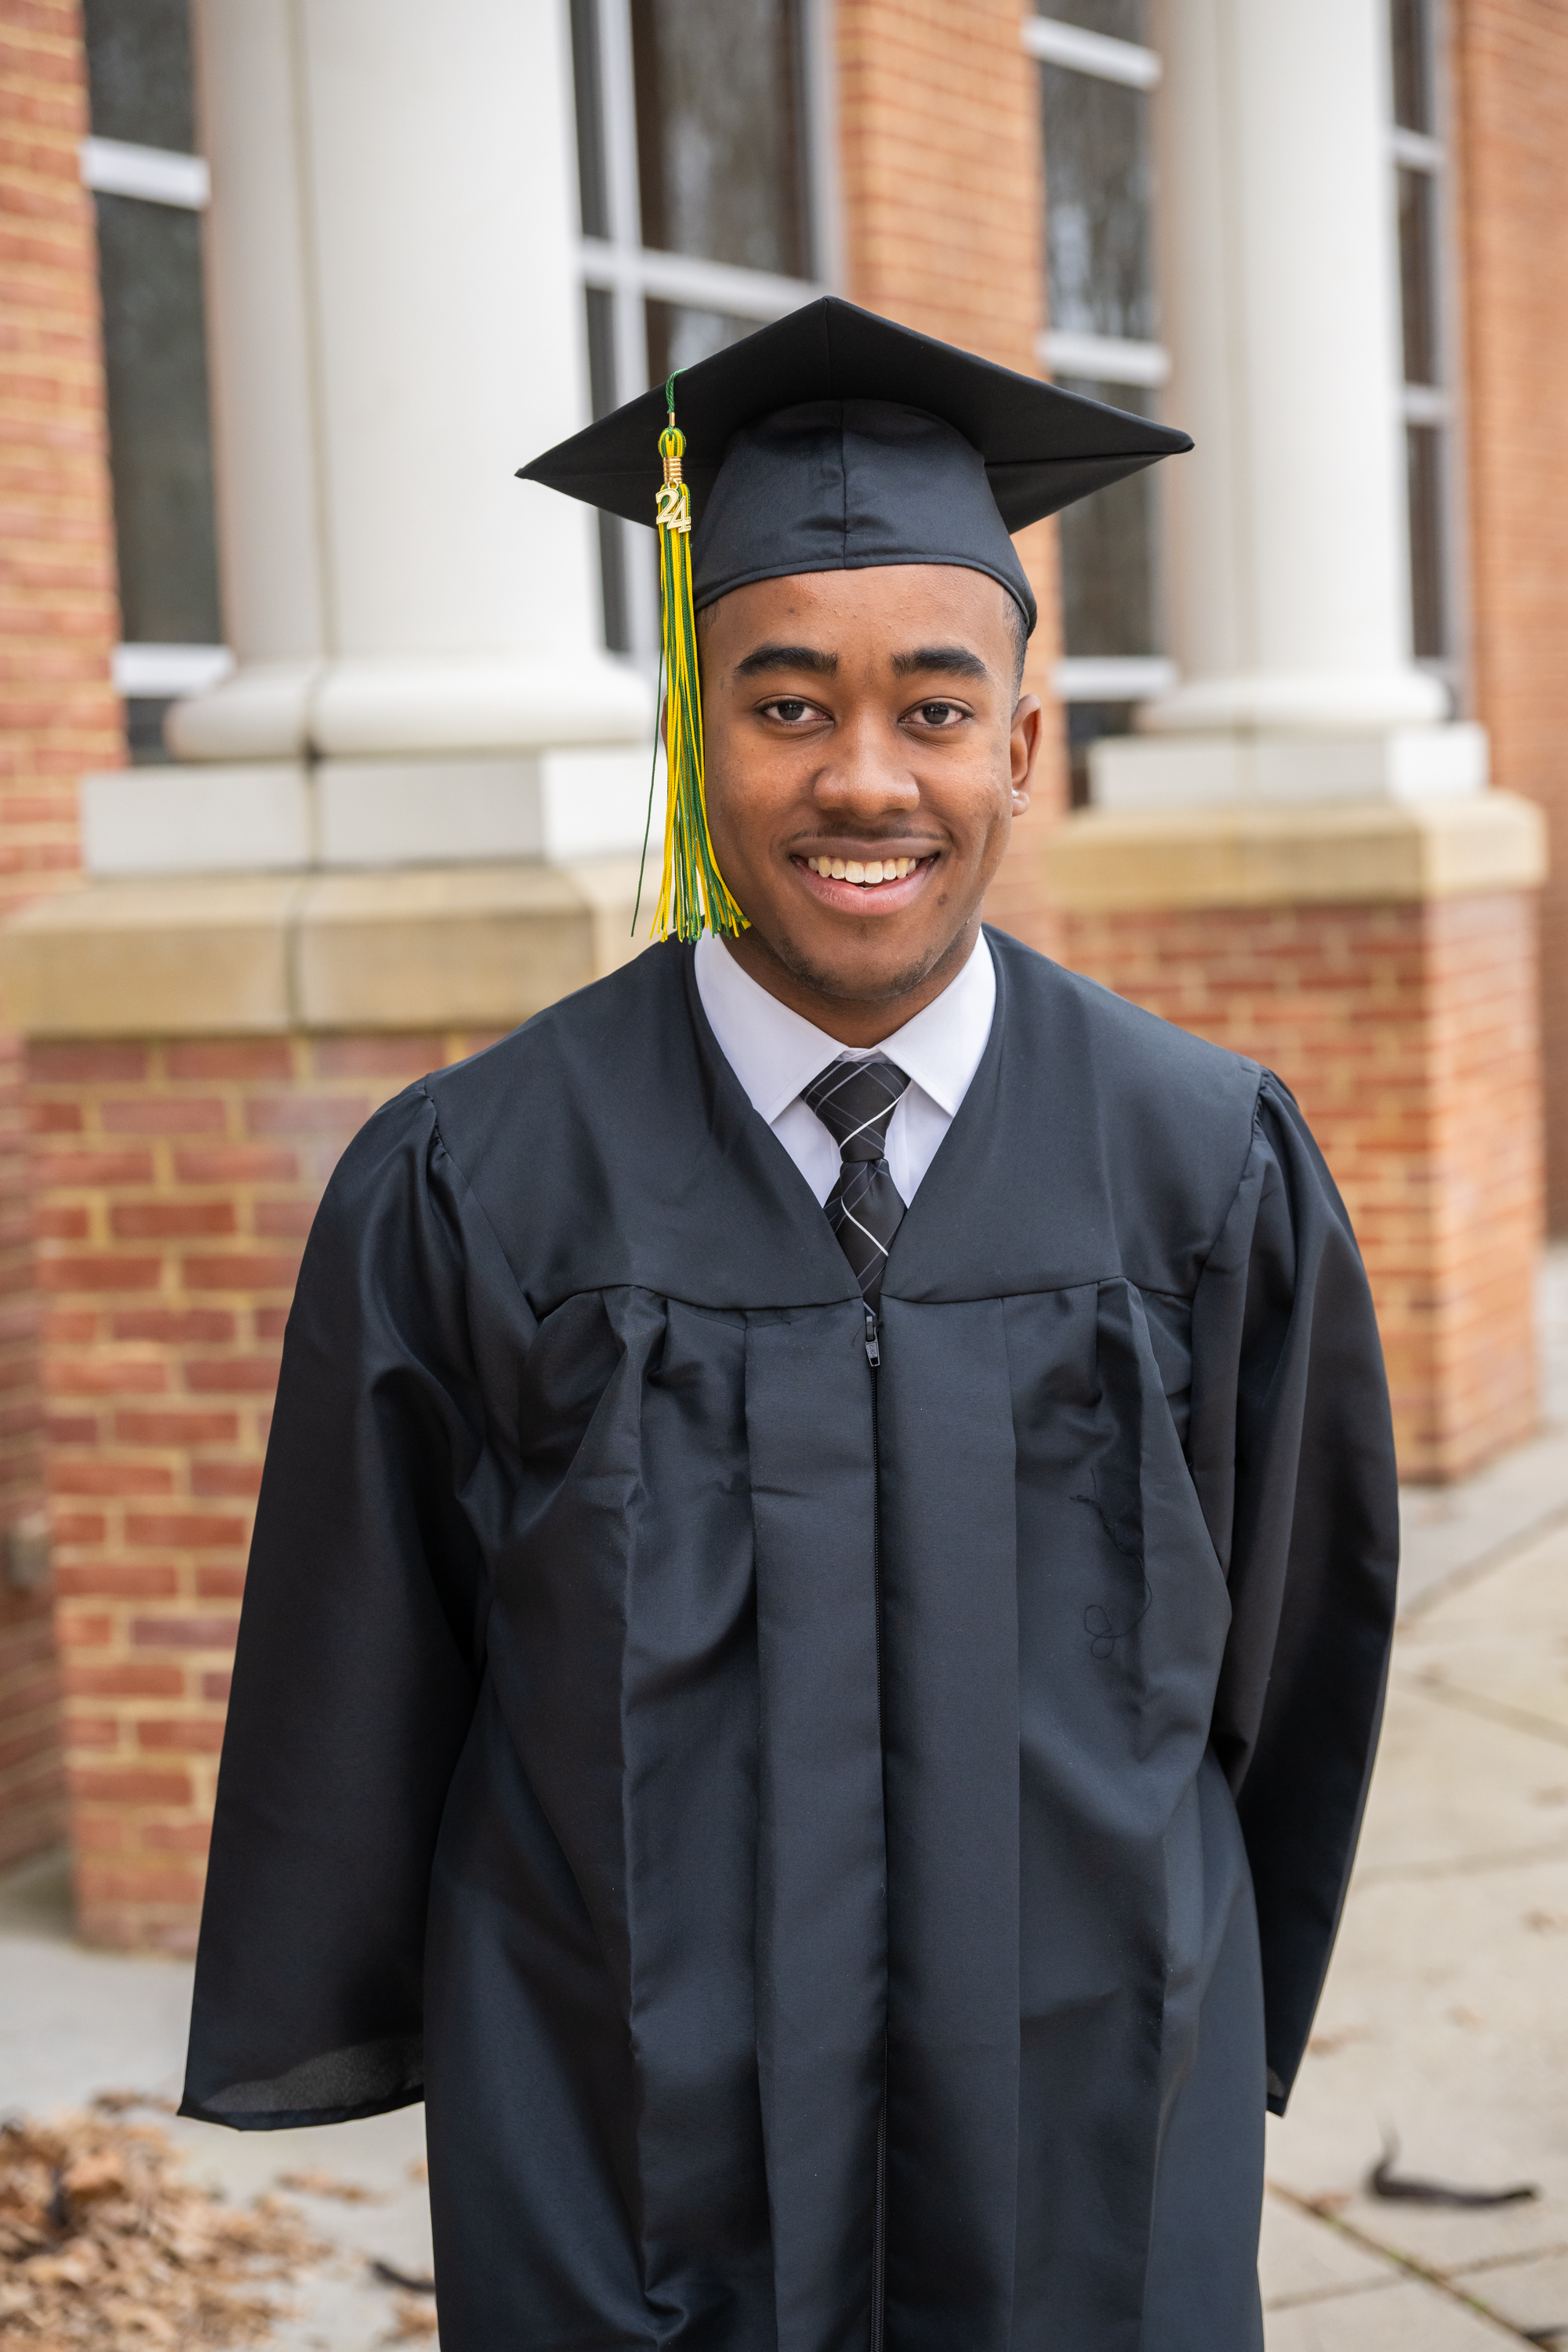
{"x": 694, "y": 896}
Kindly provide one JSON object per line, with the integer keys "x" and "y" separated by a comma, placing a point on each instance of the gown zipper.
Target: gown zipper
{"x": 880, "y": 2197}
{"x": 879, "y": 2229}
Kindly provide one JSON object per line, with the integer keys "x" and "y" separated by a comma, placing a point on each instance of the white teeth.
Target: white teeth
{"x": 868, "y": 874}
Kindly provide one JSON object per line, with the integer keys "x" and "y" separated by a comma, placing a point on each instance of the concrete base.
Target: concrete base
{"x": 1399, "y": 763}
{"x": 287, "y": 816}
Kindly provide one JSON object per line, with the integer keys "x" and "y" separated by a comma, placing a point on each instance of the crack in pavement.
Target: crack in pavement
{"x": 1494, "y": 1710}
{"x": 1464, "y": 1865}
{"x": 1409, "y": 2263}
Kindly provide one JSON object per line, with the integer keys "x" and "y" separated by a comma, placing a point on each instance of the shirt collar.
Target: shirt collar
{"x": 774, "y": 1051}
{"x": 941, "y": 1047}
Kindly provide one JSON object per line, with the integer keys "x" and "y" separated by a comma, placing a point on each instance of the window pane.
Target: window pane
{"x": 588, "y": 85}
{"x": 160, "y": 449}
{"x": 1410, "y": 29}
{"x": 1418, "y": 275}
{"x": 602, "y": 385}
{"x": 678, "y": 338}
{"x": 1098, "y": 188}
{"x": 1108, "y": 553}
{"x": 139, "y": 72}
{"x": 1122, "y": 19}
{"x": 1428, "y": 601}
{"x": 145, "y": 716}
{"x": 601, "y": 321}
{"x": 720, "y": 130}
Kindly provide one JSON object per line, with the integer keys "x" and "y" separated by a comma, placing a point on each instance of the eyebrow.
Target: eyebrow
{"x": 943, "y": 661}
{"x": 762, "y": 659}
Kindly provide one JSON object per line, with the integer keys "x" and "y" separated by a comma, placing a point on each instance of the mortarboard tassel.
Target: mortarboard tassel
{"x": 694, "y": 895}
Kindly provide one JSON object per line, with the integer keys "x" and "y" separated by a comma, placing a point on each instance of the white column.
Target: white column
{"x": 396, "y": 325}
{"x": 1286, "y": 572}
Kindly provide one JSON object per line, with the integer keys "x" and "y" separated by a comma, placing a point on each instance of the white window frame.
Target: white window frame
{"x": 1103, "y": 359}
{"x": 155, "y": 175}
{"x": 629, "y": 272}
{"x": 163, "y": 672}
{"x": 1113, "y": 677}
{"x": 1428, "y": 403}
{"x": 1054, "y": 43}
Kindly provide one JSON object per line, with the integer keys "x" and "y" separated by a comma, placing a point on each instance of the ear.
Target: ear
{"x": 1023, "y": 747}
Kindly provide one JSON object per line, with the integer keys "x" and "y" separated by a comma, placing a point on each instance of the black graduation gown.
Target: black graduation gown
{"x": 824, "y": 1841}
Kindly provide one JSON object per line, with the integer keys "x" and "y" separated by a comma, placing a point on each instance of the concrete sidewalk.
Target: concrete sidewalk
{"x": 1444, "y": 2019}
{"x": 1446, "y": 2015}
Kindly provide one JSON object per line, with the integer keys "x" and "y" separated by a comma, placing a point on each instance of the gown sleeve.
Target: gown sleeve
{"x": 1293, "y": 1454}
{"x": 356, "y": 1675}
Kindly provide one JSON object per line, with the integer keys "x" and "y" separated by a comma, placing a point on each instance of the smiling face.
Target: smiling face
{"x": 865, "y": 754}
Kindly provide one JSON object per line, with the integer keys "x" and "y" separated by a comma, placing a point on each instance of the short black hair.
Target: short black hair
{"x": 1020, "y": 629}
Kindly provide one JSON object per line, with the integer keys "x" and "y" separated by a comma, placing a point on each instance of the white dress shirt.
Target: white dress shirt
{"x": 774, "y": 1052}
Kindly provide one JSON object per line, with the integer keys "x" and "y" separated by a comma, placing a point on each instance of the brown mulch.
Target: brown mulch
{"x": 412, "y": 2322}
{"x": 326, "y": 2184}
{"x": 105, "y": 2248}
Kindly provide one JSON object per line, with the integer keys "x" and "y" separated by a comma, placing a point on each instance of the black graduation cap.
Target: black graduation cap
{"x": 834, "y": 440}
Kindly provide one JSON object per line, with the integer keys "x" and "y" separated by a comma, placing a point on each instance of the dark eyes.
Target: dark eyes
{"x": 791, "y": 711}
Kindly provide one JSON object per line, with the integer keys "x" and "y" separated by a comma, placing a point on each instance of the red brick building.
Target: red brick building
{"x": 409, "y": 709}
{"x": 59, "y": 717}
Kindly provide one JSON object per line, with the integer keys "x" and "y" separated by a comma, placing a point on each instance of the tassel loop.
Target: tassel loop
{"x": 694, "y": 896}
{"x": 673, "y": 508}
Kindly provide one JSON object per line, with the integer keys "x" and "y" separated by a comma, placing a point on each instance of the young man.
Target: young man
{"x": 827, "y": 1747}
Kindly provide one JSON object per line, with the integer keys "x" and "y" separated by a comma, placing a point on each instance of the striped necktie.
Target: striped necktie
{"x": 855, "y": 1099}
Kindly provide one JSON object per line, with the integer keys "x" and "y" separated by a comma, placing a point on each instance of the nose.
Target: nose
{"x": 865, "y": 772}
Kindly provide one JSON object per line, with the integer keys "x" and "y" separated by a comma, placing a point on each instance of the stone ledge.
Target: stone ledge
{"x": 450, "y": 948}
{"x": 1266, "y": 855}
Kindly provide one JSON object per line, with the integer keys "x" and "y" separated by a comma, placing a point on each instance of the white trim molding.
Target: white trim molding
{"x": 156, "y": 672}
{"x": 1056, "y": 43}
{"x": 1426, "y": 404}
{"x": 1104, "y": 359}
{"x": 113, "y": 167}
{"x": 698, "y": 285}
{"x": 1416, "y": 149}
{"x": 1134, "y": 677}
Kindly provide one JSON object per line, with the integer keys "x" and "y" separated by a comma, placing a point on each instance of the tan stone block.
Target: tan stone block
{"x": 139, "y": 960}
{"x": 465, "y": 944}
{"x": 435, "y": 948}
{"x": 1257, "y": 855}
